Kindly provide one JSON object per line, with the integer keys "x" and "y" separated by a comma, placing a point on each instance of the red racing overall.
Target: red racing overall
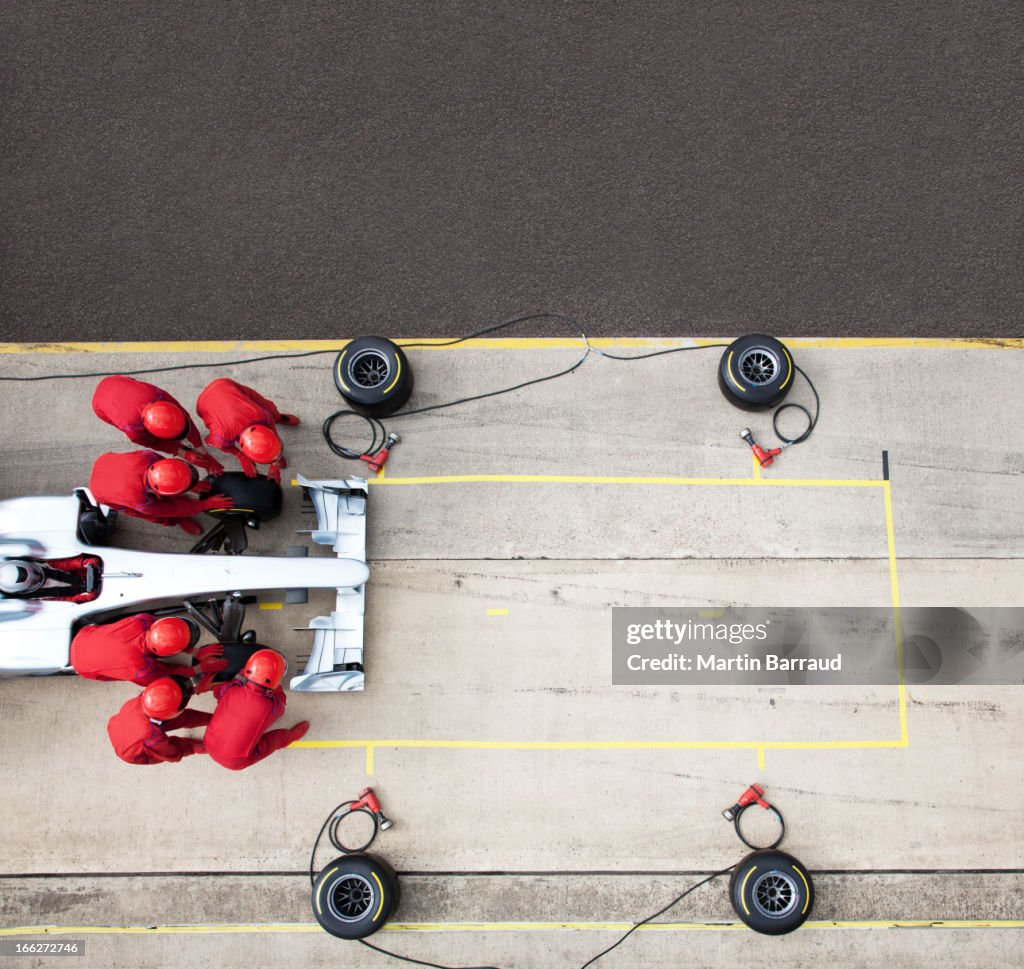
{"x": 139, "y": 740}
{"x": 119, "y": 480}
{"x": 118, "y": 652}
{"x": 227, "y": 408}
{"x": 235, "y": 737}
{"x": 120, "y": 401}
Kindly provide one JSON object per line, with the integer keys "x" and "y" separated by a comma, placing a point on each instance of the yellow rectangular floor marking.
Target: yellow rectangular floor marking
{"x": 497, "y": 612}
{"x": 369, "y": 759}
{"x": 271, "y": 605}
{"x": 312, "y": 927}
{"x": 759, "y": 746}
{"x": 757, "y": 468}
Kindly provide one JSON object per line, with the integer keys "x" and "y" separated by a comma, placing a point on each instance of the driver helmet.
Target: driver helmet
{"x": 18, "y": 577}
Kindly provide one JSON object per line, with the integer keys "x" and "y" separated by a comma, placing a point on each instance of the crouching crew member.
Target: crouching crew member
{"x": 152, "y": 418}
{"x": 147, "y": 485}
{"x": 241, "y": 422}
{"x": 132, "y": 648}
{"x": 139, "y": 730}
{"x": 246, "y": 706}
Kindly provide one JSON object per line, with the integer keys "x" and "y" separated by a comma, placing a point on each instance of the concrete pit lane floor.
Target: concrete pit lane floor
{"x": 540, "y": 810}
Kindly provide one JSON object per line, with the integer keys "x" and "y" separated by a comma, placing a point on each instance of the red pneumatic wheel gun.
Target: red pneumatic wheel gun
{"x": 754, "y": 795}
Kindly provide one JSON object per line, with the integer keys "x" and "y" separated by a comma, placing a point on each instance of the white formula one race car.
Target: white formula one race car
{"x": 58, "y": 572}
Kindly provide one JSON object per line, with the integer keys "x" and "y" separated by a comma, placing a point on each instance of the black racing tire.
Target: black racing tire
{"x": 258, "y": 497}
{"x": 755, "y": 372}
{"x": 771, "y": 892}
{"x": 355, "y": 895}
{"x": 374, "y": 376}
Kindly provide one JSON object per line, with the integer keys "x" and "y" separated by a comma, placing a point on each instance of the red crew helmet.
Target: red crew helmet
{"x": 266, "y": 667}
{"x": 170, "y": 635}
{"x": 171, "y": 476}
{"x": 163, "y": 698}
{"x": 164, "y": 419}
{"x": 260, "y": 444}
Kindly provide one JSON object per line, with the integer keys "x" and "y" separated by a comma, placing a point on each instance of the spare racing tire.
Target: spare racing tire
{"x": 755, "y": 372}
{"x": 374, "y": 376}
{"x": 255, "y": 498}
{"x": 771, "y": 892}
{"x": 355, "y": 895}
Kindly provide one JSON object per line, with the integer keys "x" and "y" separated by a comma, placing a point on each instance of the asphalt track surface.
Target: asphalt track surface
{"x": 317, "y": 170}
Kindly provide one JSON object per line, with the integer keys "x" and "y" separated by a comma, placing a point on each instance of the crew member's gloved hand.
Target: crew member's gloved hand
{"x": 198, "y": 747}
{"x": 247, "y": 466}
{"x": 190, "y": 526}
{"x": 205, "y": 683}
{"x": 289, "y": 420}
{"x": 202, "y": 459}
{"x": 211, "y": 658}
{"x": 218, "y": 503}
{"x": 203, "y": 487}
{"x": 298, "y": 731}
{"x": 274, "y": 471}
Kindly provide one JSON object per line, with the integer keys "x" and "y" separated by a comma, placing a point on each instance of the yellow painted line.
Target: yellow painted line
{"x": 313, "y": 928}
{"x": 369, "y": 760}
{"x": 509, "y": 343}
{"x": 607, "y": 744}
{"x": 890, "y": 535}
{"x": 757, "y": 467}
{"x": 497, "y": 612}
{"x": 760, "y": 758}
{"x": 626, "y": 480}
{"x": 269, "y": 606}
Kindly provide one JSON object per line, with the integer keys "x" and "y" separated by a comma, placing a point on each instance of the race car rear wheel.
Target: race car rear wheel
{"x": 355, "y": 895}
{"x": 255, "y": 498}
{"x": 374, "y": 376}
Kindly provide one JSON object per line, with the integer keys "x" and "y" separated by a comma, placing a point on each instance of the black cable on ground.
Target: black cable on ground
{"x": 811, "y": 421}
{"x": 178, "y": 366}
{"x": 377, "y": 427}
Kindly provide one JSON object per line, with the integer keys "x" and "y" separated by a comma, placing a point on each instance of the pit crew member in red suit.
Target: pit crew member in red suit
{"x": 246, "y": 706}
{"x": 132, "y": 648}
{"x": 147, "y": 485}
{"x": 241, "y": 422}
{"x": 139, "y": 730}
{"x": 151, "y": 418}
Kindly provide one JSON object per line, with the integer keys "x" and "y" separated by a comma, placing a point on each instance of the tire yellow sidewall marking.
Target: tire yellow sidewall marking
{"x": 790, "y": 377}
{"x": 398, "y": 373}
{"x": 323, "y": 880}
{"x": 743, "y": 887}
{"x": 380, "y": 895}
{"x": 728, "y": 368}
{"x": 338, "y": 371}
{"x": 807, "y": 889}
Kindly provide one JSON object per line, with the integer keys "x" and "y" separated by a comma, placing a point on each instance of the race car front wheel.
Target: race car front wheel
{"x": 355, "y": 895}
{"x": 771, "y": 892}
{"x": 374, "y": 376}
{"x": 755, "y": 372}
